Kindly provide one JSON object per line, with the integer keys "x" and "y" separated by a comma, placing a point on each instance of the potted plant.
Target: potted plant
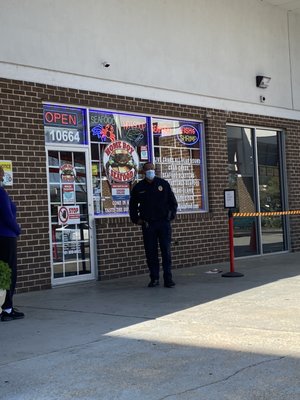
{"x": 5, "y": 280}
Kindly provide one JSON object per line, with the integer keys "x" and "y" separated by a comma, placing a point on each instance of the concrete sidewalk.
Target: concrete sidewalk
{"x": 209, "y": 338}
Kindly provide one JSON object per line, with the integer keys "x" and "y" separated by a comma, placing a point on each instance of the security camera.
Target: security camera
{"x": 106, "y": 64}
{"x": 262, "y": 99}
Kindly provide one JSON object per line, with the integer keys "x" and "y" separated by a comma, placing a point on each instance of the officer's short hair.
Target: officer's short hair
{"x": 146, "y": 163}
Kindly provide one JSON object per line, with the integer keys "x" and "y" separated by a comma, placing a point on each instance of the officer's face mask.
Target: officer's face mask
{"x": 150, "y": 174}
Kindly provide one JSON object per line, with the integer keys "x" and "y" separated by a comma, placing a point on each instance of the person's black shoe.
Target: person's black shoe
{"x": 14, "y": 314}
{"x": 153, "y": 283}
{"x": 169, "y": 284}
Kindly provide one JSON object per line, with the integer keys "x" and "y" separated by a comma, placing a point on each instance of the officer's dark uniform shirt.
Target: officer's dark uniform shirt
{"x": 153, "y": 201}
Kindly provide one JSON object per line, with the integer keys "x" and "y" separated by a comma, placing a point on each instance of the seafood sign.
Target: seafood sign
{"x": 120, "y": 160}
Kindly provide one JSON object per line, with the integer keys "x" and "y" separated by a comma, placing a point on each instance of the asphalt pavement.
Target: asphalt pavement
{"x": 209, "y": 338}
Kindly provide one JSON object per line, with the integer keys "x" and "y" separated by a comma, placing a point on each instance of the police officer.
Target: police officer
{"x": 153, "y": 205}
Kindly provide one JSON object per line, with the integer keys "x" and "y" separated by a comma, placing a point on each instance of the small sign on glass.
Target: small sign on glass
{"x": 229, "y": 198}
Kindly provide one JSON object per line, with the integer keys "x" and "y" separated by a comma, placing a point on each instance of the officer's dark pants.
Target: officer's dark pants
{"x": 8, "y": 254}
{"x": 154, "y": 233}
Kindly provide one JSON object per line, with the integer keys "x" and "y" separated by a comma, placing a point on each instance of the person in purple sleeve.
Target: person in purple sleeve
{"x": 9, "y": 232}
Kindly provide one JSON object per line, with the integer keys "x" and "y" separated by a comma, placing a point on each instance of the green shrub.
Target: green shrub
{"x": 5, "y": 275}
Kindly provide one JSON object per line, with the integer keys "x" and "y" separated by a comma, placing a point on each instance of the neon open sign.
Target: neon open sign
{"x": 56, "y": 118}
{"x": 64, "y": 125}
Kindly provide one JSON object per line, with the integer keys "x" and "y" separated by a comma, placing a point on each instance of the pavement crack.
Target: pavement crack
{"x": 223, "y": 379}
{"x": 60, "y": 350}
{"x": 92, "y": 312}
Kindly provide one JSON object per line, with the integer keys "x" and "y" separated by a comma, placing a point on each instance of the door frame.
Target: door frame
{"x": 91, "y": 220}
{"x": 283, "y": 183}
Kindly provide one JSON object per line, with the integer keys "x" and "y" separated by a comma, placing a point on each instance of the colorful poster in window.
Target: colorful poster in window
{"x": 120, "y": 161}
{"x": 107, "y": 127}
{"x": 8, "y": 173}
{"x": 67, "y": 173}
{"x": 144, "y": 153}
{"x": 103, "y": 127}
{"x": 120, "y": 191}
{"x": 68, "y": 190}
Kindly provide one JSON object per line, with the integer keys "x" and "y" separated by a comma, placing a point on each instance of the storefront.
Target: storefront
{"x": 93, "y": 159}
{"x": 84, "y": 106}
{"x": 74, "y": 155}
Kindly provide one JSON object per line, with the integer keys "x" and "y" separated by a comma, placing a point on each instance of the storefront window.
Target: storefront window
{"x": 119, "y": 144}
{"x": 178, "y": 156}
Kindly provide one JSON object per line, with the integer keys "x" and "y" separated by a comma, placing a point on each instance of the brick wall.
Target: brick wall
{"x": 197, "y": 238}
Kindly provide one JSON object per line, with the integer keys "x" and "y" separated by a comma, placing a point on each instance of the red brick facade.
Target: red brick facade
{"x": 197, "y": 239}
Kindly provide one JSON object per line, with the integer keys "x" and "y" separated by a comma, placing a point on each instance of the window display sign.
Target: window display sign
{"x": 120, "y": 196}
{"x": 68, "y": 190}
{"x": 188, "y": 135}
{"x": 70, "y": 248}
{"x": 64, "y": 125}
{"x": 8, "y": 173}
{"x": 229, "y": 198}
{"x": 103, "y": 127}
{"x": 120, "y": 191}
{"x": 144, "y": 153}
{"x": 68, "y": 215}
{"x": 178, "y": 151}
{"x": 67, "y": 173}
{"x": 120, "y": 161}
{"x": 107, "y": 127}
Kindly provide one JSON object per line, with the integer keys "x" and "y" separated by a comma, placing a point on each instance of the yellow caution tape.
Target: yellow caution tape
{"x": 265, "y": 214}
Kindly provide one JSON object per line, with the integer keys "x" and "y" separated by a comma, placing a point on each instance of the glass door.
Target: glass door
{"x": 255, "y": 170}
{"x": 242, "y": 179}
{"x": 70, "y": 225}
{"x": 270, "y": 193}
